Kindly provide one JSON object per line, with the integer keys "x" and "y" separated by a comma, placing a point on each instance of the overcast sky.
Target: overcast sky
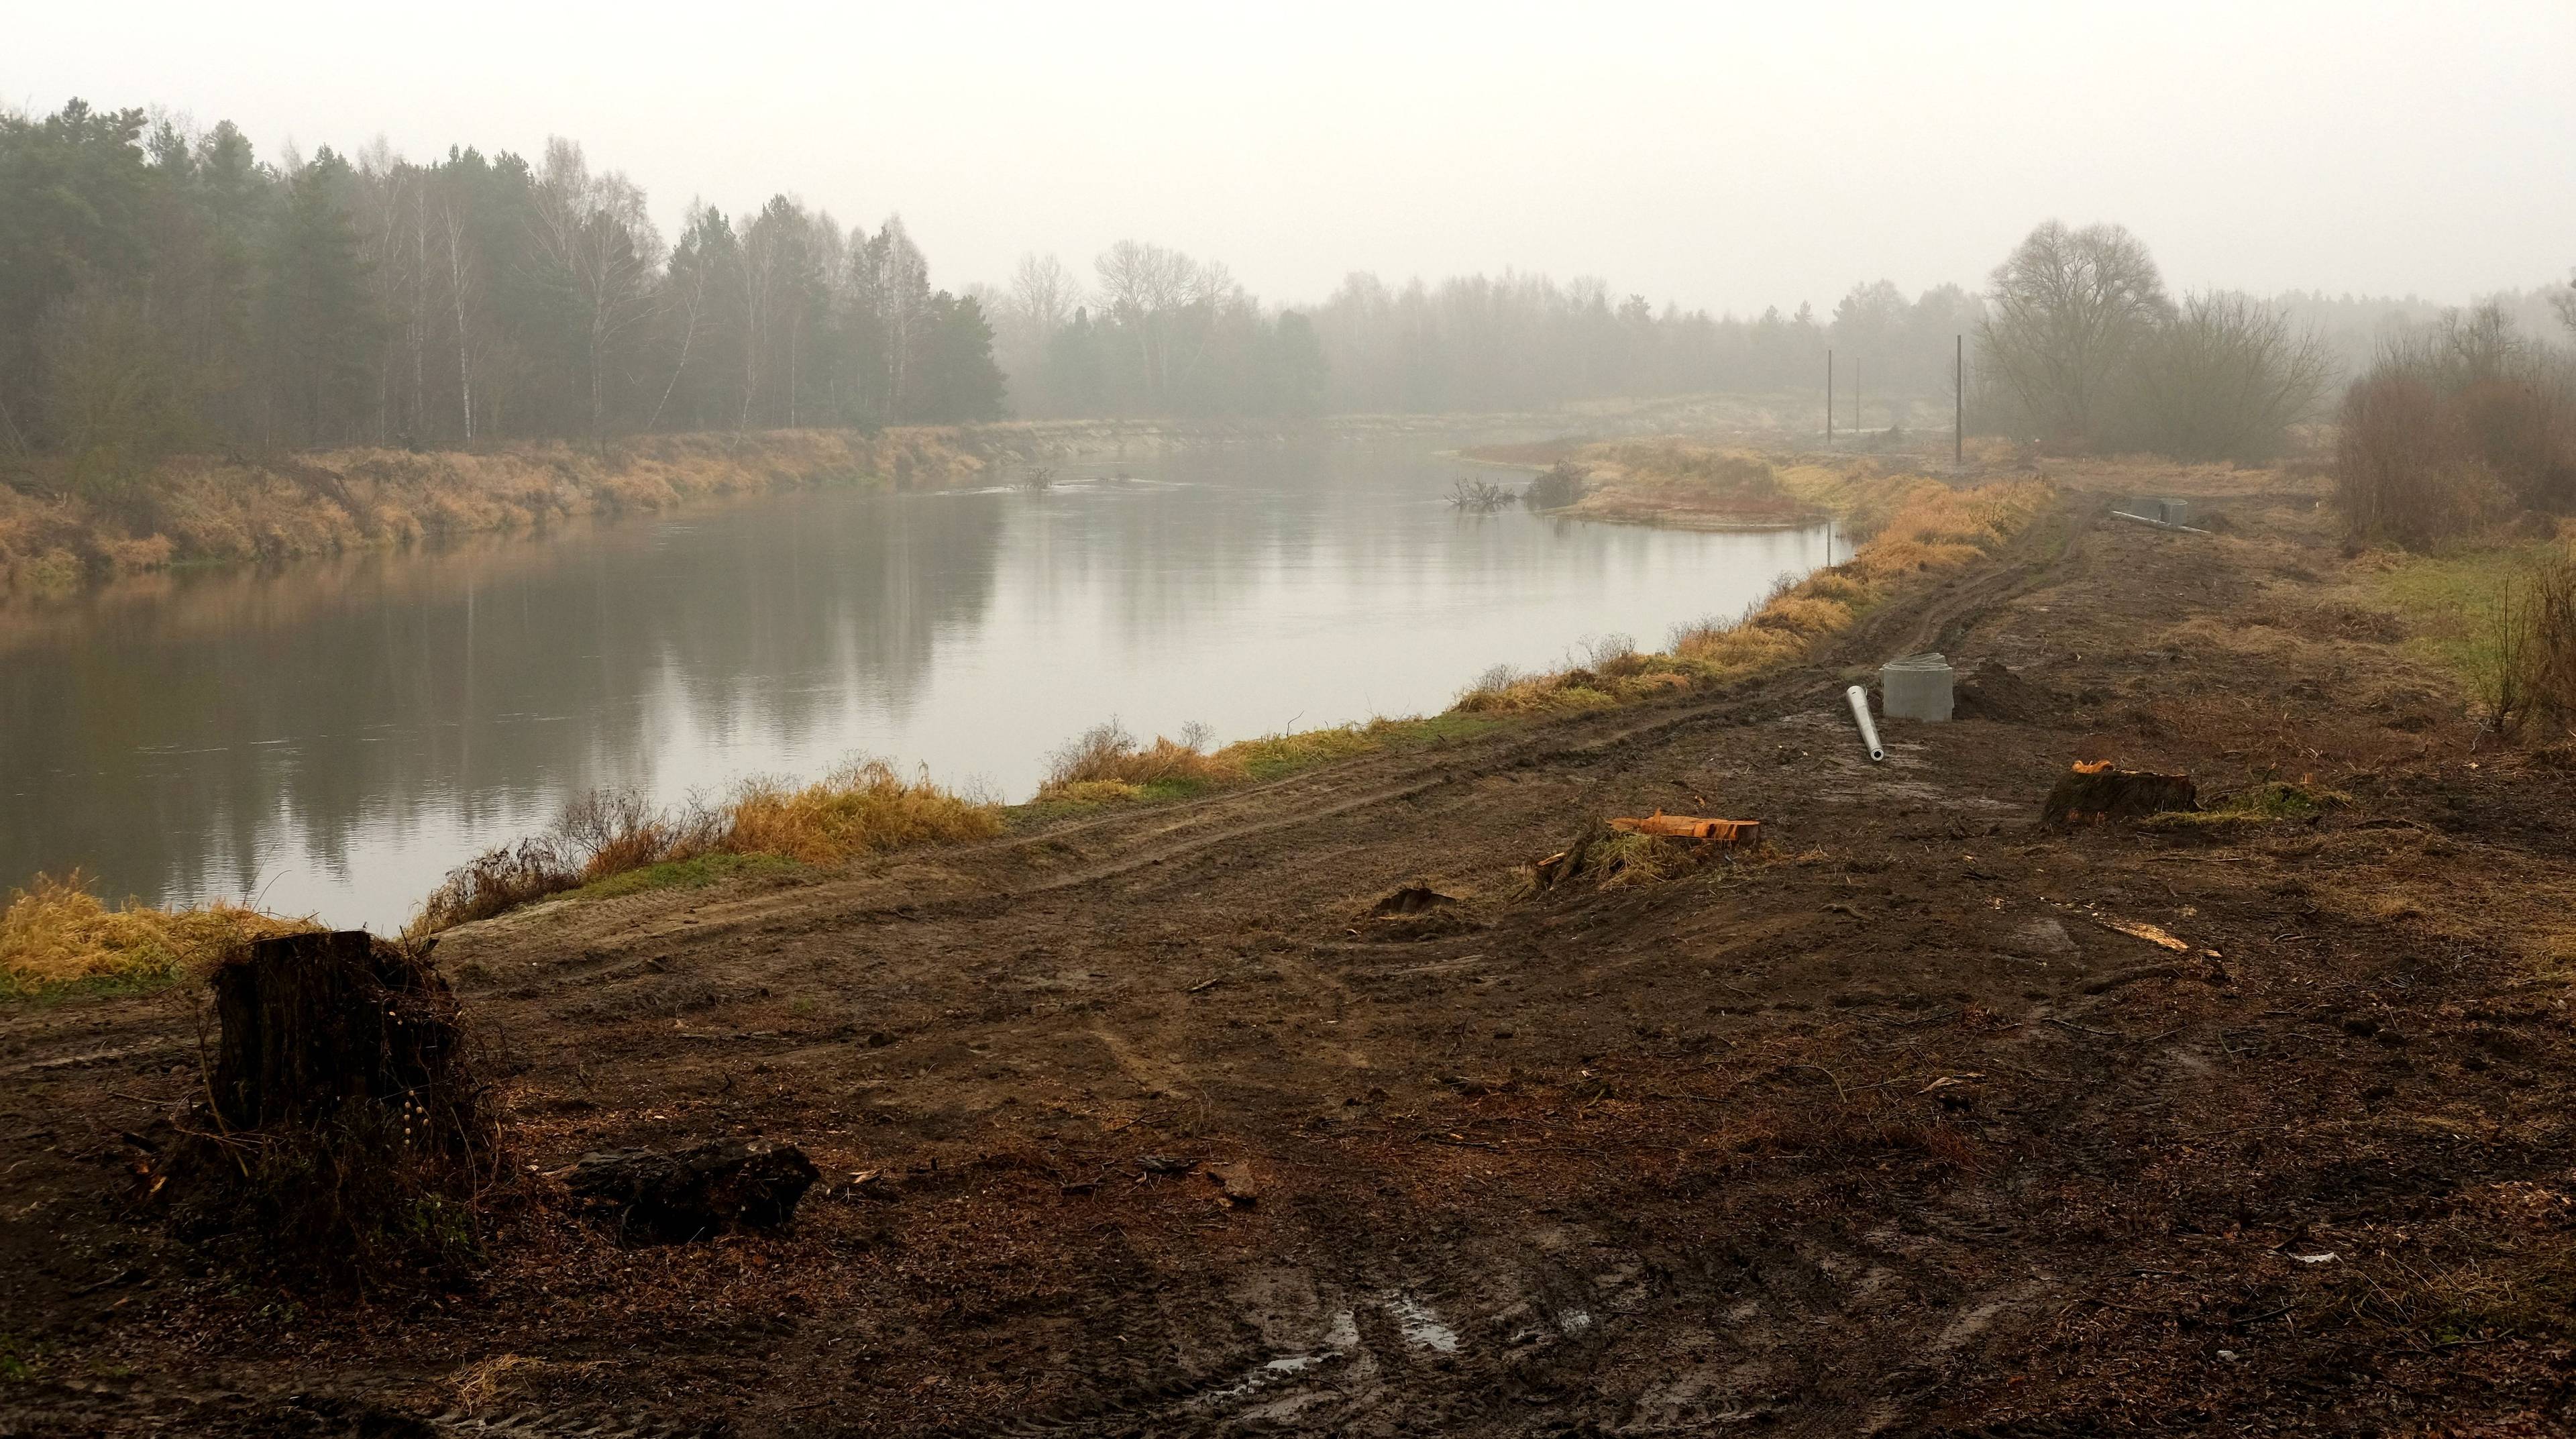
{"x": 1723, "y": 155}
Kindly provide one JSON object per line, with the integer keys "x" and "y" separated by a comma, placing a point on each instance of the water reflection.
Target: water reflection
{"x": 333, "y": 737}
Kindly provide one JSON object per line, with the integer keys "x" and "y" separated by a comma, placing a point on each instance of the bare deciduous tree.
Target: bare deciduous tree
{"x": 2225, "y": 379}
{"x": 2068, "y": 312}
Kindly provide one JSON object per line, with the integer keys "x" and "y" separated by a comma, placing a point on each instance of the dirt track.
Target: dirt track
{"x": 1888, "y": 1129}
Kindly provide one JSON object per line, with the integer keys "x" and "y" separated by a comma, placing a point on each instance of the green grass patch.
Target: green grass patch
{"x": 1433, "y": 731}
{"x": 692, "y": 873}
{"x": 2262, "y": 804}
{"x": 1280, "y": 755}
{"x": 2449, "y": 599}
{"x": 96, "y": 986}
{"x": 1039, "y": 812}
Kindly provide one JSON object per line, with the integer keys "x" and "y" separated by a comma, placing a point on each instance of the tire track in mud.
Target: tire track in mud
{"x": 1466, "y": 1337}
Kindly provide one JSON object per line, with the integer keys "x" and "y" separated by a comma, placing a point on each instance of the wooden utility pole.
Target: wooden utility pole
{"x": 1829, "y": 399}
{"x": 1958, "y": 400}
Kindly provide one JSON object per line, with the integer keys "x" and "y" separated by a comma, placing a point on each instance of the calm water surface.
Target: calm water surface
{"x": 334, "y": 736}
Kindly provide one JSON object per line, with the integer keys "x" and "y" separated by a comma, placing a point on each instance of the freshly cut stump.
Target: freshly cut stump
{"x": 2100, "y": 793}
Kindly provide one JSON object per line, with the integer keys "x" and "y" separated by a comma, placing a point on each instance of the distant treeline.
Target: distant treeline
{"x": 163, "y": 290}
{"x": 1163, "y": 333}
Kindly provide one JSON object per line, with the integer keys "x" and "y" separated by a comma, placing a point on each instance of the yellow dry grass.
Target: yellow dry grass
{"x": 1918, "y": 527}
{"x": 1686, "y": 484}
{"x": 1106, "y": 762}
{"x": 56, "y": 932}
{"x": 862, "y": 808}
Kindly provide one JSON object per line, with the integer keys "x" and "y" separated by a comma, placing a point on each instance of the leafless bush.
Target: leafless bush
{"x": 2533, "y": 682}
{"x": 497, "y": 881}
{"x": 1600, "y": 652}
{"x": 1107, "y": 754}
{"x": 1478, "y": 497}
{"x": 2225, "y": 380}
{"x": 1495, "y": 680}
{"x": 2454, "y": 424}
{"x": 2401, "y": 472}
{"x": 609, "y": 832}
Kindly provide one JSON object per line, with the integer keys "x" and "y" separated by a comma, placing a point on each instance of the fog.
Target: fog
{"x": 1726, "y": 157}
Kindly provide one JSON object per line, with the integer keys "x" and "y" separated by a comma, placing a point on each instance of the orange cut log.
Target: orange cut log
{"x": 1683, "y": 826}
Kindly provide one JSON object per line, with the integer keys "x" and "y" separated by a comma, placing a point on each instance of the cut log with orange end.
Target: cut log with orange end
{"x": 1683, "y": 826}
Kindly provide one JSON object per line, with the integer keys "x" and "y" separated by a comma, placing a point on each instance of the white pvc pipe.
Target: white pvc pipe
{"x": 1860, "y": 715}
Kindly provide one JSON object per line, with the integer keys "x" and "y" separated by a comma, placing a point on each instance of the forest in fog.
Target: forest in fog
{"x": 167, "y": 289}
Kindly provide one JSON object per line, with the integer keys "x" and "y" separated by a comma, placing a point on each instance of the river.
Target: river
{"x": 331, "y": 737}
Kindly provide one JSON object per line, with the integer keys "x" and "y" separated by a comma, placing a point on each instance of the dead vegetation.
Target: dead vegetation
{"x": 57, "y": 934}
{"x": 1671, "y": 481}
{"x": 1105, "y": 762}
{"x": 2455, "y": 428}
{"x": 2532, "y": 688}
{"x": 1919, "y": 528}
{"x": 864, "y": 807}
{"x": 1555, "y": 488}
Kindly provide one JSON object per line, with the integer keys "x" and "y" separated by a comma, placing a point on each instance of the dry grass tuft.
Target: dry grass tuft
{"x": 479, "y": 1386}
{"x": 864, "y": 807}
{"x": 1107, "y": 754}
{"x": 56, "y": 932}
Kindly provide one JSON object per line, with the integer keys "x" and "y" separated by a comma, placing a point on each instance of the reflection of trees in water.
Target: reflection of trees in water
{"x": 472, "y": 689}
{"x": 466, "y": 687}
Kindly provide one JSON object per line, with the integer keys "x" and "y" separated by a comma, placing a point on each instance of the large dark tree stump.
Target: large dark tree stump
{"x": 314, "y": 1021}
{"x": 345, "y": 1134}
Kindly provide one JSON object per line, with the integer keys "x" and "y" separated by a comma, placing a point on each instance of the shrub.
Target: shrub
{"x": 1108, "y": 753}
{"x": 1560, "y": 486}
{"x": 497, "y": 881}
{"x": 2225, "y": 379}
{"x": 2453, "y": 425}
{"x": 2534, "y": 678}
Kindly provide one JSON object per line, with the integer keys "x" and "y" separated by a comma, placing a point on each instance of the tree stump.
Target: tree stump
{"x": 344, "y": 1136}
{"x": 2098, "y": 793}
{"x": 312, "y": 1022}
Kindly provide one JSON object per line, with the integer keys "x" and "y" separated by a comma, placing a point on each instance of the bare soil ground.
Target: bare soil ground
{"x": 1898, "y": 1126}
